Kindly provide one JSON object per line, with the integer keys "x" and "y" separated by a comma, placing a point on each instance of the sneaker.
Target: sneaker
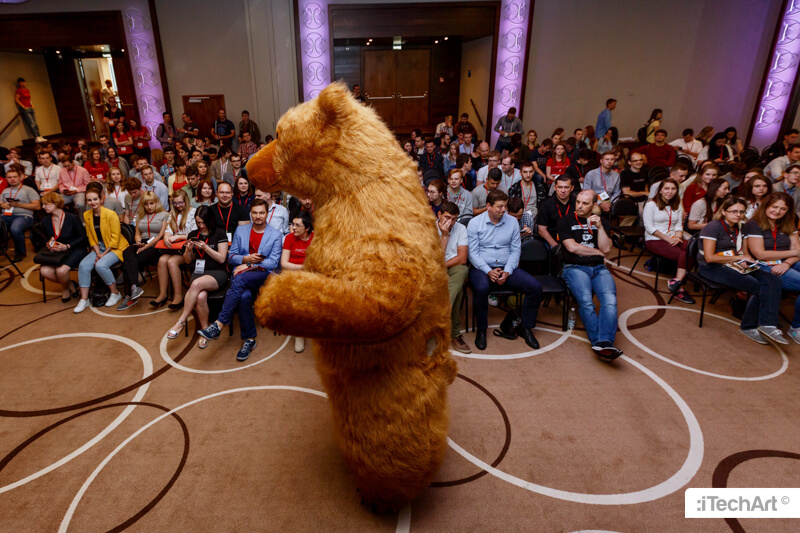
{"x": 794, "y": 334}
{"x": 113, "y": 299}
{"x": 247, "y": 347}
{"x": 773, "y": 334}
{"x": 609, "y": 353}
{"x": 673, "y": 285}
{"x": 683, "y": 296}
{"x": 754, "y": 335}
{"x": 299, "y": 344}
{"x": 41, "y": 139}
{"x": 493, "y": 301}
{"x": 460, "y": 345}
{"x": 211, "y": 333}
{"x": 83, "y": 304}
{"x": 598, "y": 347}
{"x": 126, "y": 303}
{"x": 136, "y": 292}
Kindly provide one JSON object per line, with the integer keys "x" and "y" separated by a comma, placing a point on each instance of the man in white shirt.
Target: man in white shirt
{"x": 14, "y": 157}
{"x": 277, "y": 215}
{"x": 510, "y": 175}
{"x": 47, "y": 174}
{"x": 467, "y": 147}
{"x": 492, "y": 162}
{"x": 775, "y": 168}
{"x": 688, "y": 145}
{"x": 455, "y": 243}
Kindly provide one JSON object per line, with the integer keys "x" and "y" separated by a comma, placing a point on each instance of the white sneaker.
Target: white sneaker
{"x": 299, "y": 344}
{"x": 41, "y": 139}
{"x": 113, "y": 299}
{"x": 773, "y": 333}
{"x": 493, "y": 301}
{"x": 83, "y": 304}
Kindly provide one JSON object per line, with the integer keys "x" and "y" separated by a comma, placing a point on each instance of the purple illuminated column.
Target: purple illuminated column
{"x": 512, "y": 59}
{"x": 780, "y": 77}
{"x": 144, "y": 63}
{"x": 316, "y": 59}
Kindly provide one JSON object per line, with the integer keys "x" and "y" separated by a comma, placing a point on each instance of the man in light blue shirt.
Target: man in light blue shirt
{"x": 150, "y": 184}
{"x": 604, "y": 181}
{"x": 604, "y": 119}
{"x": 494, "y": 251}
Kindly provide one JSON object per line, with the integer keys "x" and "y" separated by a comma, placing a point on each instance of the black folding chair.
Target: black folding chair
{"x": 621, "y": 207}
{"x": 537, "y": 260}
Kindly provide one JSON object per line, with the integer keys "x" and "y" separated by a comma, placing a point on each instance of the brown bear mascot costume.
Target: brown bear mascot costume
{"x": 372, "y": 294}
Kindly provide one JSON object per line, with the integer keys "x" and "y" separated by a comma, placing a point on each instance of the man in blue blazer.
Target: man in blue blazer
{"x": 254, "y": 253}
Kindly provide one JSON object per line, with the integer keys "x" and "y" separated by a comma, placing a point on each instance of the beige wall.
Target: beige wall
{"x": 476, "y": 58}
{"x": 32, "y": 68}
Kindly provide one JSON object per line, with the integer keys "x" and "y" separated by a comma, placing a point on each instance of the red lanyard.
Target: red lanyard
{"x": 430, "y": 163}
{"x": 60, "y": 226}
{"x": 775, "y": 238}
{"x": 149, "y": 220}
{"x": 603, "y": 177}
{"x": 242, "y": 200}
{"x": 669, "y": 224}
{"x": 47, "y": 177}
{"x": 588, "y": 224}
{"x": 530, "y": 192}
{"x": 733, "y": 236}
{"x": 230, "y": 210}
{"x": 270, "y": 215}
{"x": 450, "y": 198}
{"x": 14, "y": 196}
{"x": 560, "y": 214}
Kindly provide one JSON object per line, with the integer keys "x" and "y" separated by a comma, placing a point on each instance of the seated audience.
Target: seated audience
{"x": 771, "y": 237}
{"x": 15, "y": 157}
{"x": 494, "y": 252}
{"x": 109, "y": 203}
{"x": 722, "y": 245}
{"x": 18, "y": 203}
{"x": 525, "y": 218}
{"x": 735, "y": 174}
{"x": 781, "y": 147}
{"x": 717, "y": 151}
{"x": 234, "y": 171}
{"x": 277, "y": 216}
{"x": 152, "y": 223}
{"x": 699, "y": 187}
{"x": 47, "y": 174}
{"x": 150, "y": 184}
{"x": 525, "y": 189}
{"x": 168, "y": 168}
{"x": 122, "y": 140}
{"x": 510, "y": 175}
{"x": 703, "y": 210}
{"x": 107, "y": 246}
{"x": 459, "y": 196}
{"x": 658, "y": 152}
{"x": 688, "y": 145}
{"x": 555, "y": 207}
{"x": 584, "y": 237}
{"x": 577, "y": 170}
{"x": 492, "y": 162}
{"x": 774, "y": 170}
{"x": 244, "y": 193}
{"x": 178, "y": 180}
{"x": 98, "y": 169}
{"x": 115, "y": 185}
{"x": 464, "y": 164}
{"x": 431, "y": 160}
{"x": 294, "y": 253}
{"x": 634, "y": 180}
{"x": 450, "y": 158}
{"x": 436, "y": 191}
{"x": 609, "y": 141}
{"x": 72, "y": 182}
{"x": 206, "y": 252}
{"x": 141, "y": 139}
{"x": 254, "y": 253}
{"x": 114, "y": 161}
{"x": 479, "y": 194}
{"x": 453, "y": 237}
{"x": 204, "y": 195}
{"x": 789, "y": 184}
{"x": 754, "y": 191}
{"x": 663, "y": 233}
{"x": 229, "y": 215}
{"x": 604, "y": 181}
{"x": 133, "y": 186}
{"x": 66, "y": 244}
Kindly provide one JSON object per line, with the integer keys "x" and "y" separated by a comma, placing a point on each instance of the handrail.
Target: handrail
{"x": 480, "y": 120}
{"x": 10, "y": 122}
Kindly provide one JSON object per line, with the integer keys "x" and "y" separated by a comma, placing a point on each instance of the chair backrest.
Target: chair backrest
{"x": 687, "y": 160}
{"x": 534, "y": 251}
{"x": 692, "y": 247}
{"x": 624, "y": 206}
{"x": 658, "y": 173}
{"x": 127, "y": 232}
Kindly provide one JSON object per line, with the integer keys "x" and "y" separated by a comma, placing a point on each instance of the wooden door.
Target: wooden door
{"x": 380, "y": 82}
{"x": 203, "y": 110}
{"x": 413, "y": 84}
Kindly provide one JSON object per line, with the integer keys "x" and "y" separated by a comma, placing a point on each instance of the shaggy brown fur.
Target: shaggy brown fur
{"x": 372, "y": 294}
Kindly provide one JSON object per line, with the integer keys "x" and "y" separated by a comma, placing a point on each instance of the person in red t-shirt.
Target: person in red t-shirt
{"x": 25, "y": 107}
{"x": 98, "y": 169}
{"x": 123, "y": 140}
{"x": 557, "y": 164}
{"x": 141, "y": 139}
{"x": 294, "y": 253}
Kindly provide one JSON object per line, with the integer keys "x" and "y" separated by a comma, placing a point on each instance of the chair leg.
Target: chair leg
{"x": 636, "y": 262}
{"x": 703, "y": 307}
{"x": 12, "y": 262}
{"x": 44, "y": 289}
{"x": 619, "y": 255}
{"x": 565, "y": 312}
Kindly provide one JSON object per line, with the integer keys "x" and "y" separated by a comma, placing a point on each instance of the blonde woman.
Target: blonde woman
{"x": 151, "y": 224}
{"x": 181, "y": 223}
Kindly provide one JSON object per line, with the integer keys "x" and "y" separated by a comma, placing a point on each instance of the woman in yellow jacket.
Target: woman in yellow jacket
{"x": 107, "y": 243}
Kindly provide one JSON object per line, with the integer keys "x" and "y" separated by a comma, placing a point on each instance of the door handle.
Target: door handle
{"x": 413, "y": 97}
{"x": 380, "y": 97}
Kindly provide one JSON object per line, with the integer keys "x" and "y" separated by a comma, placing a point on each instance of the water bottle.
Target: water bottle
{"x": 571, "y": 319}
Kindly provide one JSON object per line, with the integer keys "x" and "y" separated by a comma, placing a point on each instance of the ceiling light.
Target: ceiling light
{"x": 30, "y": 49}
{"x": 123, "y": 49}
{"x": 446, "y": 38}
{"x": 436, "y": 42}
{"x": 368, "y": 44}
{"x": 370, "y": 41}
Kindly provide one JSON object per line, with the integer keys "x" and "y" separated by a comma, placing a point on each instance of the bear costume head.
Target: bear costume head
{"x": 372, "y": 294}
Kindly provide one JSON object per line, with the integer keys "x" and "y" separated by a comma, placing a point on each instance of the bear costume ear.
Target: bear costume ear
{"x": 334, "y": 101}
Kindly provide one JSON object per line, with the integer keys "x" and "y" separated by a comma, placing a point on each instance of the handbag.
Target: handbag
{"x": 177, "y": 243}
{"x": 49, "y": 258}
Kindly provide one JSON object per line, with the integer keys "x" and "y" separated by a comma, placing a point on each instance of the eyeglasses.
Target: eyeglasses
{"x": 636, "y": 160}
{"x": 293, "y": 225}
{"x": 737, "y": 212}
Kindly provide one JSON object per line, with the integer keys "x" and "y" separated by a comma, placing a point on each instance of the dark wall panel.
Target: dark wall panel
{"x": 67, "y": 95}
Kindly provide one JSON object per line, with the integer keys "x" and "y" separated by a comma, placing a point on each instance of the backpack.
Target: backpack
{"x": 642, "y": 133}
{"x": 98, "y": 291}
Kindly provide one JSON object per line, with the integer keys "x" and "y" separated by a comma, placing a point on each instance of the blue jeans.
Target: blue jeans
{"x": 103, "y": 267}
{"x": 244, "y": 287}
{"x": 520, "y": 281}
{"x": 17, "y": 224}
{"x": 790, "y": 281}
{"x": 29, "y": 121}
{"x": 582, "y": 281}
{"x": 764, "y": 288}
